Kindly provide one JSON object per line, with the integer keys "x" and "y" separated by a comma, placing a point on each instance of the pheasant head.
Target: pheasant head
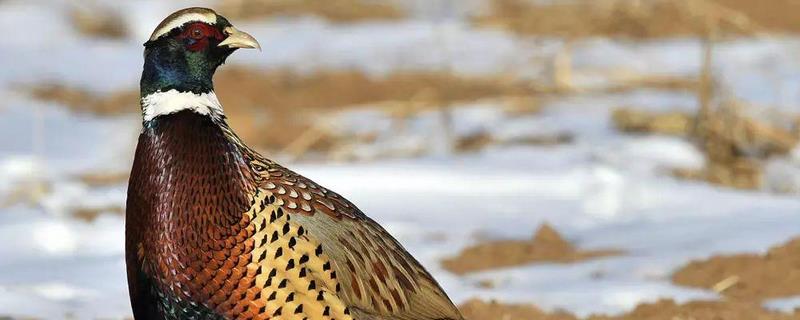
{"x": 180, "y": 59}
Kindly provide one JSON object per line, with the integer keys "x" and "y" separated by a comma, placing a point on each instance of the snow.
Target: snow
{"x": 602, "y": 190}
{"x": 786, "y": 305}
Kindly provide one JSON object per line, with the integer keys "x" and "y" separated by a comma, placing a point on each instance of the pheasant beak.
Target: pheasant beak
{"x": 239, "y": 39}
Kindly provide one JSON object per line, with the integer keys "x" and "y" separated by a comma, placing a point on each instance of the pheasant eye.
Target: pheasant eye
{"x": 196, "y": 33}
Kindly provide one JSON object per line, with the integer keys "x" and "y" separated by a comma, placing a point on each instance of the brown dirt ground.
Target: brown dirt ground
{"x": 661, "y": 310}
{"x": 333, "y": 10}
{"x": 747, "y": 277}
{"x": 546, "y": 246}
{"x": 480, "y": 310}
{"x": 700, "y": 310}
{"x": 641, "y": 19}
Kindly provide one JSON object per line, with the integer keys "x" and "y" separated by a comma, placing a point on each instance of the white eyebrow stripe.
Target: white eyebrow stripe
{"x": 207, "y": 17}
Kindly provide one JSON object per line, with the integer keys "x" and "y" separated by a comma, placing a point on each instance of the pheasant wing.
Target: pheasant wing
{"x": 377, "y": 277}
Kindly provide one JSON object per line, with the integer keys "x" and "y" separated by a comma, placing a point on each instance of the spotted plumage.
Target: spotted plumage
{"x": 216, "y": 231}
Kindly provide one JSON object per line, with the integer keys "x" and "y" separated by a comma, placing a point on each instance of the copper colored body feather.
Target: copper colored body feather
{"x": 216, "y": 231}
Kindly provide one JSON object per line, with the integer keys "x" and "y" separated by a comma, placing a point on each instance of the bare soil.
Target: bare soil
{"x": 700, "y": 310}
{"x": 661, "y": 310}
{"x": 747, "y": 277}
{"x": 479, "y": 310}
{"x": 546, "y": 246}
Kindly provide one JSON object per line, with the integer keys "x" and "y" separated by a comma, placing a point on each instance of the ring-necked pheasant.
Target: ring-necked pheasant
{"x": 216, "y": 231}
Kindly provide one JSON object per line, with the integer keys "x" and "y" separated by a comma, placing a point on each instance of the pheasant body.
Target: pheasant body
{"x": 216, "y": 231}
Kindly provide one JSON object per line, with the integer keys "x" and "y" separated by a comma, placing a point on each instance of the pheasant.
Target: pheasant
{"x": 214, "y": 230}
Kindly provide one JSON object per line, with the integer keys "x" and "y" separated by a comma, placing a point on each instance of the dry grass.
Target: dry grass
{"x": 91, "y": 214}
{"x": 480, "y": 140}
{"x": 80, "y": 100}
{"x": 747, "y": 277}
{"x": 546, "y": 246}
{"x": 333, "y": 10}
{"x": 617, "y": 18}
{"x": 29, "y": 192}
{"x": 271, "y": 109}
{"x": 653, "y": 82}
{"x": 103, "y": 179}
{"x": 778, "y": 16}
{"x": 638, "y": 121}
{"x": 98, "y": 22}
{"x": 474, "y": 142}
{"x": 734, "y": 144}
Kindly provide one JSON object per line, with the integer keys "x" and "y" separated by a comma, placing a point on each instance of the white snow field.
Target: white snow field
{"x": 602, "y": 190}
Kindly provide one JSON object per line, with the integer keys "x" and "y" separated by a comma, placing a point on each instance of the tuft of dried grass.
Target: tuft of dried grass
{"x": 333, "y": 10}
{"x": 735, "y": 145}
{"x": 653, "y": 82}
{"x": 103, "y": 179}
{"x": 639, "y": 121}
{"x": 98, "y": 22}
{"x": 615, "y": 18}
{"x": 547, "y": 245}
{"x": 91, "y": 214}
{"x": 473, "y": 142}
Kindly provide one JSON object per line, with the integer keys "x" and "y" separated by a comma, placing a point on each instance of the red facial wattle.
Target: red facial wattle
{"x": 197, "y": 36}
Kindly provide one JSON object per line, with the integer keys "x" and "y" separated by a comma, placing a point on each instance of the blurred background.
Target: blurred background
{"x": 544, "y": 159}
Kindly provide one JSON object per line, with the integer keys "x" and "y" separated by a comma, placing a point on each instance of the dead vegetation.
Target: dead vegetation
{"x": 735, "y": 145}
{"x": 779, "y": 16}
{"x": 91, "y": 214}
{"x": 103, "y": 178}
{"x": 638, "y": 121}
{"x": 747, "y": 277}
{"x": 617, "y": 18}
{"x": 30, "y": 192}
{"x": 332, "y": 10}
{"x": 546, "y": 246}
{"x": 480, "y": 140}
{"x": 80, "y": 100}
{"x": 273, "y": 109}
{"x": 98, "y": 22}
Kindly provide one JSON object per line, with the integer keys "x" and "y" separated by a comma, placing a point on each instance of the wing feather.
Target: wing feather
{"x": 379, "y": 278}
